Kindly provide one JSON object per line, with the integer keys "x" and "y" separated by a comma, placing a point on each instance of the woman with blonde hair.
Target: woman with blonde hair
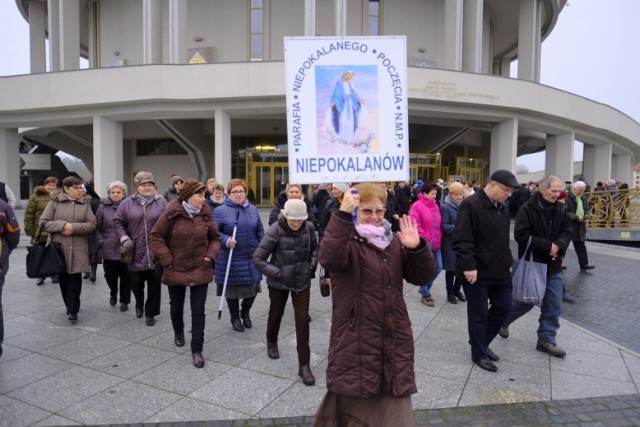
{"x": 370, "y": 376}
{"x": 449, "y": 213}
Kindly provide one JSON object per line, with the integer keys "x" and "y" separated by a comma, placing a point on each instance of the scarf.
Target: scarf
{"x": 549, "y": 211}
{"x": 192, "y": 211}
{"x": 218, "y": 201}
{"x": 579, "y": 205}
{"x": 378, "y": 236}
{"x": 143, "y": 200}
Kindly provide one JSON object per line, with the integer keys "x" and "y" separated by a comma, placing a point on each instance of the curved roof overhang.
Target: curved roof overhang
{"x": 257, "y": 90}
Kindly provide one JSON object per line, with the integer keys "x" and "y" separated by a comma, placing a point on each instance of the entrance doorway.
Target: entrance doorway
{"x": 265, "y": 179}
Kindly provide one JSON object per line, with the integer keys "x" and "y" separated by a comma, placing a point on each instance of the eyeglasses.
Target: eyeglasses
{"x": 506, "y": 189}
{"x": 369, "y": 211}
{"x": 237, "y": 192}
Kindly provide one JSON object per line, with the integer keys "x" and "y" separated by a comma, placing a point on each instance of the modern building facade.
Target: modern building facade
{"x": 197, "y": 88}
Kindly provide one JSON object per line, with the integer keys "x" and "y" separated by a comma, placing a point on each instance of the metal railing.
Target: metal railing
{"x": 614, "y": 208}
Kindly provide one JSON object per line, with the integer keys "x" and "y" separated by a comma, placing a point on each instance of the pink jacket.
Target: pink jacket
{"x": 427, "y": 214}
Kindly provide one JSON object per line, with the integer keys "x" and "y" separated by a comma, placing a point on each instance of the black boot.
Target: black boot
{"x": 247, "y": 303}
{"x": 92, "y": 273}
{"x": 234, "y": 313}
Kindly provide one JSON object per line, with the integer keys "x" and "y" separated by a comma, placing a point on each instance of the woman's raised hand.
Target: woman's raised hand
{"x": 408, "y": 234}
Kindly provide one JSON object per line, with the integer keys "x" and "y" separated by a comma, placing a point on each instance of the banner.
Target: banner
{"x": 347, "y": 117}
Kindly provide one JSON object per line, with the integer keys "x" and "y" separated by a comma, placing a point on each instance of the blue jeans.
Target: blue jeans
{"x": 550, "y": 310}
{"x": 425, "y": 290}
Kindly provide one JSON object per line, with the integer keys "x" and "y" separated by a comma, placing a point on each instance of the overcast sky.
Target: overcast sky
{"x": 594, "y": 51}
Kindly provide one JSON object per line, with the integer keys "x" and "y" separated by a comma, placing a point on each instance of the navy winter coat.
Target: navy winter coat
{"x": 250, "y": 232}
{"x": 449, "y": 212}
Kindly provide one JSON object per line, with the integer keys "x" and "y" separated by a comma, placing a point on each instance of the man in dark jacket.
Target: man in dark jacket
{"x": 9, "y": 238}
{"x": 293, "y": 191}
{"x": 403, "y": 196}
{"x": 544, "y": 221}
{"x": 483, "y": 263}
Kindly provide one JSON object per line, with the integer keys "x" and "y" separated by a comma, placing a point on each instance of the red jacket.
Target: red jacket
{"x": 191, "y": 240}
{"x": 371, "y": 344}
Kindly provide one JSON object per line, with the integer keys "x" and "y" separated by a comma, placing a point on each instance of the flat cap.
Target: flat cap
{"x": 505, "y": 177}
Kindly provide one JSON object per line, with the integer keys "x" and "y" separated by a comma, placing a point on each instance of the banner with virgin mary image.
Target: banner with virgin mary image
{"x": 347, "y": 113}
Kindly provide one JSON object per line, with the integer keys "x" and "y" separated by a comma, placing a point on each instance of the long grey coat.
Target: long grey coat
{"x": 62, "y": 210}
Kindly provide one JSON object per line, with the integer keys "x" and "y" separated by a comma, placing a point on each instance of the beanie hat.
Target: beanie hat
{"x": 143, "y": 178}
{"x": 295, "y": 209}
{"x": 419, "y": 183}
{"x": 175, "y": 178}
{"x": 189, "y": 188}
{"x": 342, "y": 186}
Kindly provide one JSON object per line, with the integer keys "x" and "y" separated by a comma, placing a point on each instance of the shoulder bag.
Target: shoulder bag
{"x": 45, "y": 261}
{"x": 529, "y": 279}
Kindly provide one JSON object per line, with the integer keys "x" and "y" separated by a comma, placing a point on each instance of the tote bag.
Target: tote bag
{"x": 529, "y": 279}
{"x": 45, "y": 261}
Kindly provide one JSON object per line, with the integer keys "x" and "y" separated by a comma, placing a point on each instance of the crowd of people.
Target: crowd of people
{"x": 361, "y": 234}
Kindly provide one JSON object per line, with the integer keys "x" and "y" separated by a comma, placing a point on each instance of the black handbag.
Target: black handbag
{"x": 45, "y": 261}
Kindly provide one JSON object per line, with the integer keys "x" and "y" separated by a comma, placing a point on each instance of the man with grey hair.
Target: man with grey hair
{"x": 578, "y": 213}
{"x": 545, "y": 222}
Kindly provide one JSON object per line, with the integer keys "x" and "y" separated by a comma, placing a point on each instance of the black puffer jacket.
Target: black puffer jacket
{"x": 294, "y": 256}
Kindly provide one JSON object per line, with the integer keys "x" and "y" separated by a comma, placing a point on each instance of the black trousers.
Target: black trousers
{"x": 451, "y": 282}
{"x": 1, "y": 315}
{"x": 114, "y": 271}
{"x": 70, "y": 288}
{"x": 581, "y": 252}
{"x": 154, "y": 291}
{"x": 198, "y": 298}
{"x": 301, "y": 314}
{"x": 485, "y": 320}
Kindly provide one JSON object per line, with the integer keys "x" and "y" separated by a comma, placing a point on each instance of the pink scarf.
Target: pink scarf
{"x": 378, "y": 236}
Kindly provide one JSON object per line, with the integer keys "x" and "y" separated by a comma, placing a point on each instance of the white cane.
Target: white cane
{"x": 226, "y": 273}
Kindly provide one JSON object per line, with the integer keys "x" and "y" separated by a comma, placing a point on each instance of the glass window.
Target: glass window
{"x": 257, "y": 29}
{"x": 158, "y": 147}
{"x": 374, "y": 17}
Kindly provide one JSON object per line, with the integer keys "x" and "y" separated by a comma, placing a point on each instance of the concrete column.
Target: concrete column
{"x": 559, "y": 156}
{"x": 341, "y": 17}
{"x": 453, "y": 34}
{"x": 37, "y": 37}
{"x": 472, "y": 37}
{"x": 152, "y": 31}
{"x": 504, "y": 145}
{"x": 107, "y": 153}
{"x": 10, "y": 160}
{"x": 597, "y": 163}
{"x": 94, "y": 61}
{"x": 222, "y": 147}
{"x": 622, "y": 168}
{"x": 528, "y": 40}
{"x": 54, "y": 35}
{"x": 178, "y": 31}
{"x": 70, "y": 35}
{"x": 309, "y": 18}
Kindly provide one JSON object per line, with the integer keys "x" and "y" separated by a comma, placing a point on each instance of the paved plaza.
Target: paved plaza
{"x": 110, "y": 368}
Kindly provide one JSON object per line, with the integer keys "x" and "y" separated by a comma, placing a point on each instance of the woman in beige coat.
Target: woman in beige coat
{"x": 68, "y": 217}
